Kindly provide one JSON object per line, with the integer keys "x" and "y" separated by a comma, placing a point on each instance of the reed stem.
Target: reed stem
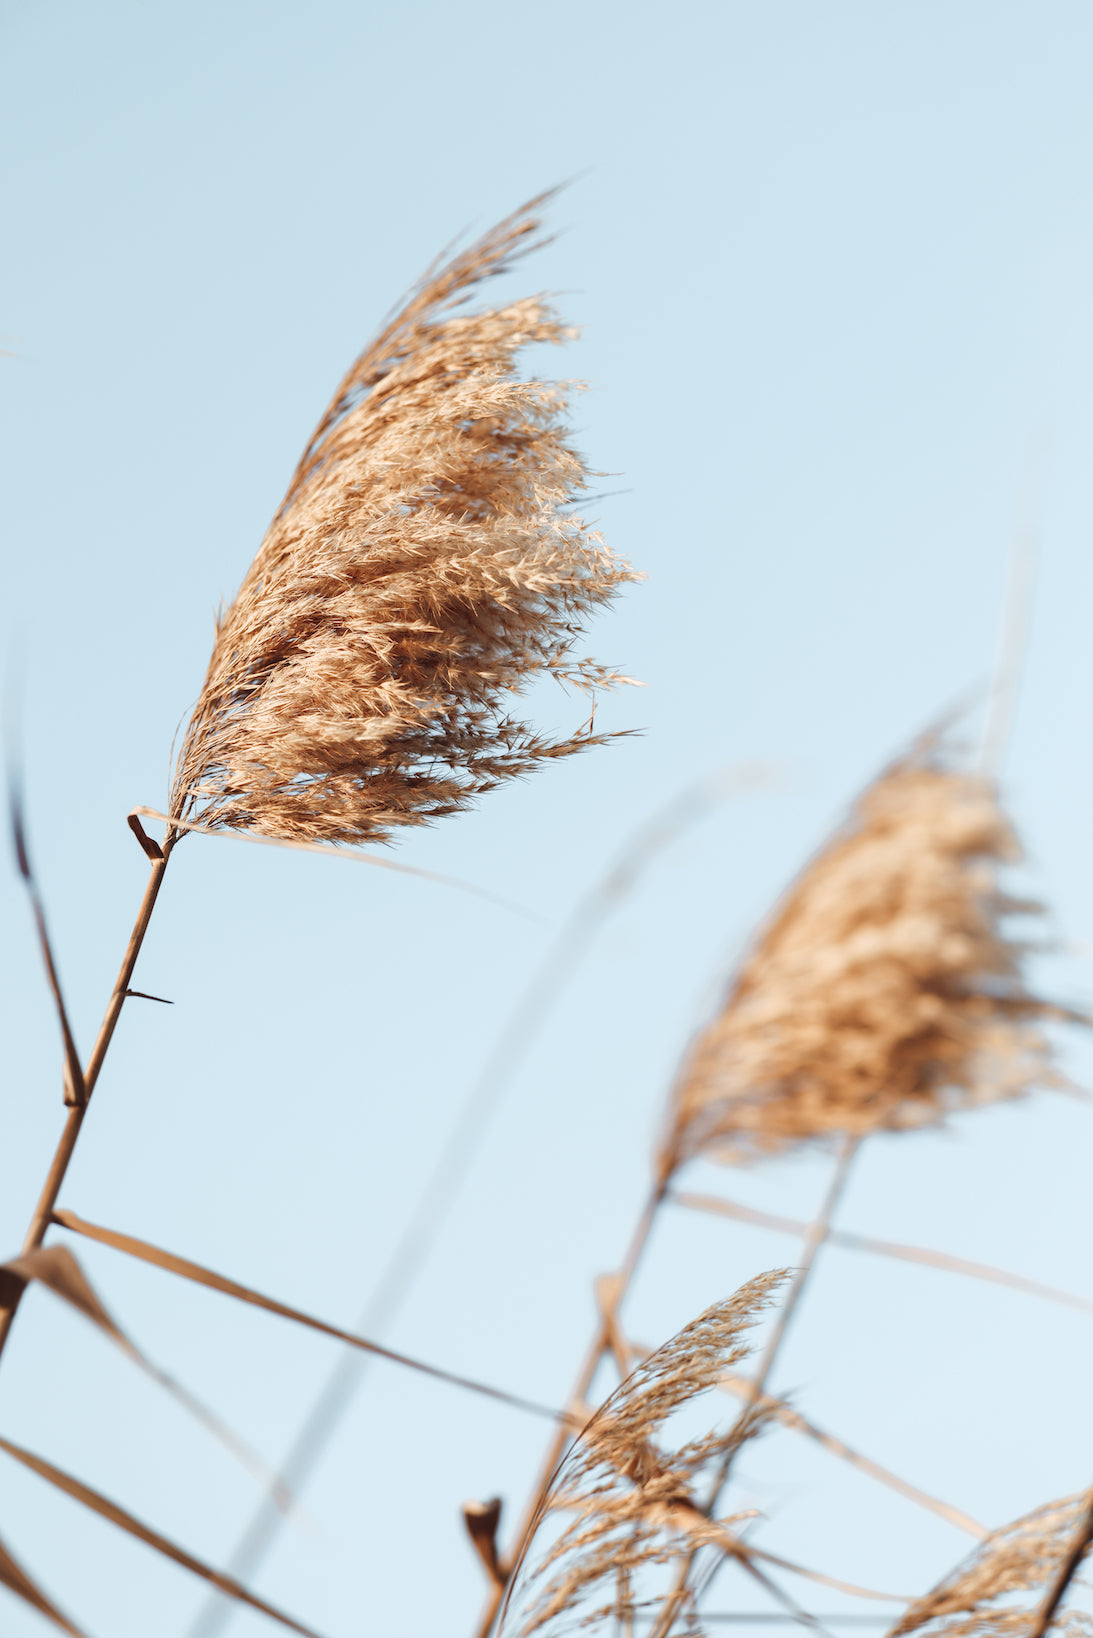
{"x": 564, "y": 1436}
{"x": 40, "y": 1220}
{"x": 1076, "y": 1551}
{"x": 817, "y": 1234}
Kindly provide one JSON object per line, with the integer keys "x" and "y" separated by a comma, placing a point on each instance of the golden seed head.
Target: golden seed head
{"x": 422, "y": 569}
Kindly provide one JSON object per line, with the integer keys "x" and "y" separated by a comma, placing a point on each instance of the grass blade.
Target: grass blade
{"x": 116, "y": 1515}
{"x": 59, "y": 1271}
{"x": 75, "y": 1090}
{"x": 188, "y": 1270}
{"x": 16, "y": 1579}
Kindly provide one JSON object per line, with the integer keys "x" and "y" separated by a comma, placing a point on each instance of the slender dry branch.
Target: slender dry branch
{"x": 16, "y": 1580}
{"x": 1076, "y": 1550}
{"x": 816, "y": 1235}
{"x": 578, "y": 1394}
{"x": 75, "y": 1090}
{"x": 55, "y": 1268}
{"x": 144, "y": 1251}
{"x": 96, "y": 1502}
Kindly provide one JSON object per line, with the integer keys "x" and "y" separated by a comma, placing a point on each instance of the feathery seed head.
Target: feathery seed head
{"x": 631, "y": 1488}
{"x": 420, "y": 571}
{"x": 883, "y": 993}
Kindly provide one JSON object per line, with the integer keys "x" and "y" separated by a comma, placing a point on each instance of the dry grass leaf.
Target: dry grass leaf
{"x": 633, "y": 1492}
{"x": 16, "y": 1579}
{"x": 421, "y": 570}
{"x": 75, "y": 1090}
{"x": 106, "y": 1509}
{"x": 884, "y": 993}
{"x": 145, "y": 1252}
{"x": 60, "y": 1272}
{"x": 986, "y": 1596}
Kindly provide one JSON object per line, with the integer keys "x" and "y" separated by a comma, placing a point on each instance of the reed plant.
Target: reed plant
{"x": 424, "y": 569}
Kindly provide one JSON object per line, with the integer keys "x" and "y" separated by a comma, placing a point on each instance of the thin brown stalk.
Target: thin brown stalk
{"x": 817, "y": 1234}
{"x": 987, "y": 1595}
{"x": 16, "y": 1580}
{"x": 1076, "y": 1551}
{"x": 96, "y": 1502}
{"x": 578, "y": 1394}
{"x": 187, "y": 1270}
{"x": 59, "y": 1272}
{"x": 924, "y": 1255}
{"x": 814, "y": 1240}
{"x": 47, "y": 1200}
{"x": 75, "y": 1091}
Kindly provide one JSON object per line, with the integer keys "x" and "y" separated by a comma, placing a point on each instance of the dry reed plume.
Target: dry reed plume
{"x": 633, "y": 1496}
{"x": 884, "y": 993}
{"x": 421, "y": 570}
{"x": 985, "y": 1597}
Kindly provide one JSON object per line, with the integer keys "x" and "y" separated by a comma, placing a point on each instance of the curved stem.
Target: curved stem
{"x": 1076, "y": 1551}
{"x": 600, "y": 1344}
{"x": 817, "y": 1234}
{"x": 40, "y": 1219}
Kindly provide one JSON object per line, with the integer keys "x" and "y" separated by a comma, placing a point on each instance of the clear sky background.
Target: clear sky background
{"x": 833, "y": 266}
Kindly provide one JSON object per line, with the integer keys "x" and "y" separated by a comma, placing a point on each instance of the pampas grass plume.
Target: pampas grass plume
{"x": 421, "y": 570}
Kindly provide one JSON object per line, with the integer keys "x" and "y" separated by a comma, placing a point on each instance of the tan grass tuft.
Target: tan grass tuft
{"x": 421, "y": 570}
{"x": 632, "y": 1492}
{"x": 884, "y": 993}
{"x": 983, "y": 1598}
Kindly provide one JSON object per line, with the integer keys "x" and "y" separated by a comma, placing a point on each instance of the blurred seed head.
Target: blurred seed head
{"x": 884, "y": 993}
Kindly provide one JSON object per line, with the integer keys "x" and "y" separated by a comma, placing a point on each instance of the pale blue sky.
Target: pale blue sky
{"x": 833, "y": 264}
